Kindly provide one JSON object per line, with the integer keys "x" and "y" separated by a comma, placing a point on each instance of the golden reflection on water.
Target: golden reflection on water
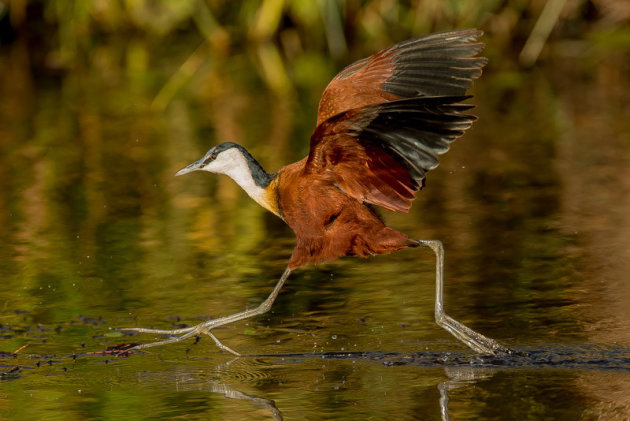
{"x": 594, "y": 163}
{"x": 532, "y": 206}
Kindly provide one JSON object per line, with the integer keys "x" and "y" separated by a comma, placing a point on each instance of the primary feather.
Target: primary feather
{"x": 442, "y": 64}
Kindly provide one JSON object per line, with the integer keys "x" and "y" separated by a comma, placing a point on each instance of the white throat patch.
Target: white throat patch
{"x": 232, "y": 163}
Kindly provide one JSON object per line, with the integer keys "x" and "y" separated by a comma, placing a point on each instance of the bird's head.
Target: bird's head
{"x": 221, "y": 159}
{"x": 234, "y": 161}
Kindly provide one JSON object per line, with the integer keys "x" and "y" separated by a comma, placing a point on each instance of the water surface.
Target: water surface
{"x": 533, "y": 207}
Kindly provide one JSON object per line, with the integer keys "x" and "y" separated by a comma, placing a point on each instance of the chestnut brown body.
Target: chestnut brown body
{"x": 327, "y": 229}
{"x": 381, "y": 124}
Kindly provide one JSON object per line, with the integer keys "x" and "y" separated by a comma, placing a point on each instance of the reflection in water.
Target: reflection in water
{"x": 383, "y": 384}
{"x": 95, "y": 232}
{"x": 458, "y": 377}
{"x": 269, "y": 405}
{"x": 187, "y": 382}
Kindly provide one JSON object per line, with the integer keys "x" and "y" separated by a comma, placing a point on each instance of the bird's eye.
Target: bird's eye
{"x": 210, "y": 157}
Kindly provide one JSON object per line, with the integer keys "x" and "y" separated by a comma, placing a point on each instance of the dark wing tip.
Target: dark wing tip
{"x": 441, "y": 64}
{"x": 458, "y": 36}
{"x": 394, "y": 113}
{"x": 415, "y": 131}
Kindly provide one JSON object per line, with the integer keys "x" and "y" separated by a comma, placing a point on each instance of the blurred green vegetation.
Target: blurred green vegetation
{"x": 104, "y": 100}
{"x": 289, "y": 37}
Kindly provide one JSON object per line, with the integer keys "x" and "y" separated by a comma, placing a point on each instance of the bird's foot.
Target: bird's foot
{"x": 184, "y": 333}
{"x": 475, "y": 340}
{"x": 207, "y": 326}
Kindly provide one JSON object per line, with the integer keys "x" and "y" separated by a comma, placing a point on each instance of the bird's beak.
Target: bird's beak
{"x": 190, "y": 168}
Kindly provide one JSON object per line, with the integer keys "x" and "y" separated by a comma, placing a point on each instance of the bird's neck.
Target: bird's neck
{"x": 252, "y": 178}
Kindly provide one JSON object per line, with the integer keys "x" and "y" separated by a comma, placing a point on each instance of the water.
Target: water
{"x": 532, "y": 206}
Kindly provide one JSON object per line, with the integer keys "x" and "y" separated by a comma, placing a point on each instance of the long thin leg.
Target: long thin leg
{"x": 207, "y": 326}
{"x": 474, "y": 340}
{"x": 471, "y": 338}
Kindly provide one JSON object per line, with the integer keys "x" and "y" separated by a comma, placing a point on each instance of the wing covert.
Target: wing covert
{"x": 380, "y": 153}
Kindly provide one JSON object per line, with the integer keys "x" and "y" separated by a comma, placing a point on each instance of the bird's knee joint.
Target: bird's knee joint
{"x": 437, "y": 246}
{"x": 439, "y": 318}
{"x": 432, "y": 244}
{"x": 264, "y": 307}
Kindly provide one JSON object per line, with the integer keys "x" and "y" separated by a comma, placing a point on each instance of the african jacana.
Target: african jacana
{"x": 381, "y": 124}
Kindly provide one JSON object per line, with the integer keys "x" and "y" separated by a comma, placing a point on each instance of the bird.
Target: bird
{"x": 381, "y": 124}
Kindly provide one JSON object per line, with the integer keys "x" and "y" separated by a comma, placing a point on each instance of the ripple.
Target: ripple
{"x": 574, "y": 357}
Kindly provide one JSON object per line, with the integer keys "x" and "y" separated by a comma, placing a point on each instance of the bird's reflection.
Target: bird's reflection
{"x": 214, "y": 380}
{"x": 458, "y": 377}
{"x": 231, "y": 393}
{"x": 186, "y": 381}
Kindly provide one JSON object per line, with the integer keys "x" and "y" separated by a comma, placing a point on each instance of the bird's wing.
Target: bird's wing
{"x": 442, "y": 64}
{"x": 380, "y": 153}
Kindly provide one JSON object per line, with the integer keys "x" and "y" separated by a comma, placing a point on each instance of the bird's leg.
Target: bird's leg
{"x": 207, "y": 326}
{"x": 474, "y": 340}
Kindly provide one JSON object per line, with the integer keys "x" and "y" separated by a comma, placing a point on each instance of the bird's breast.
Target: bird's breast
{"x": 269, "y": 198}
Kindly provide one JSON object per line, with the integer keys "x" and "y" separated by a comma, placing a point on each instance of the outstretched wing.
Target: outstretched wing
{"x": 383, "y": 121}
{"x": 380, "y": 153}
{"x": 433, "y": 65}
